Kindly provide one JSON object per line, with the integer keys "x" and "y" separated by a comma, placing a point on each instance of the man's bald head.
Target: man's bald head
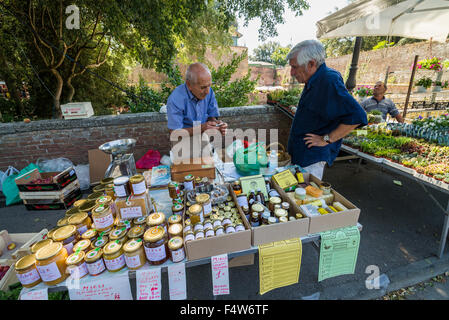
{"x": 198, "y": 80}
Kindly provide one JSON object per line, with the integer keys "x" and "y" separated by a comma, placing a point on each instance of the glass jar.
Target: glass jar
{"x": 94, "y": 196}
{"x": 138, "y": 184}
{"x": 300, "y": 193}
{"x": 141, "y": 221}
{"x": 188, "y": 182}
{"x": 199, "y": 234}
{"x": 285, "y": 206}
{"x": 273, "y": 193}
{"x": 157, "y": 219}
{"x": 195, "y": 213}
{"x": 236, "y": 187}
{"x": 174, "y": 219}
{"x": 239, "y": 227}
{"x": 219, "y": 230}
{"x": 119, "y": 224}
{"x": 272, "y": 220}
{"x": 100, "y": 242}
{"x": 90, "y": 234}
{"x": 68, "y": 236}
{"x": 121, "y": 186}
{"x": 26, "y": 271}
{"x": 230, "y": 228}
{"x": 50, "y": 233}
{"x": 189, "y": 236}
{"x": 119, "y": 235}
{"x": 103, "y": 217}
{"x": 88, "y": 206}
{"x": 104, "y": 200}
{"x": 283, "y": 219}
{"x": 94, "y": 262}
{"x": 279, "y": 213}
{"x": 81, "y": 220}
{"x": 176, "y": 249}
{"x": 76, "y": 206}
{"x": 175, "y": 230}
{"x": 207, "y": 224}
{"x": 42, "y": 243}
{"x": 265, "y": 216}
{"x": 197, "y": 227}
{"x": 246, "y": 212}
{"x": 106, "y": 181}
{"x": 62, "y": 222}
{"x": 50, "y": 263}
{"x": 274, "y": 201}
{"x": 83, "y": 245}
{"x": 76, "y": 266}
{"x": 203, "y": 199}
{"x": 113, "y": 256}
{"x": 255, "y": 222}
{"x": 156, "y": 245}
{"x": 173, "y": 190}
{"x": 134, "y": 254}
{"x": 99, "y": 188}
{"x": 257, "y": 208}
{"x": 136, "y": 232}
{"x": 109, "y": 191}
{"x": 178, "y": 209}
{"x": 209, "y": 232}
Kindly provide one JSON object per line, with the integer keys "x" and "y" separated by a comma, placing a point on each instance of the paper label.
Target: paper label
{"x": 69, "y": 248}
{"x": 148, "y": 283}
{"x": 178, "y": 255}
{"x": 243, "y": 201}
{"x": 115, "y": 263}
{"x": 156, "y": 254}
{"x": 78, "y": 272}
{"x": 120, "y": 191}
{"x": 220, "y": 274}
{"x": 109, "y": 288}
{"x": 96, "y": 267}
{"x": 133, "y": 262}
{"x": 177, "y": 281}
{"x": 82, "y": 230}
{"x": 131, "y": 212}
{"x": 104, "y": 222}
{"x": 207, "y": 208}
{"x": 49, "y": 272}
{"x": 41, "y": 294}
{"x": 139, "y": 188}
{"x": 28, "y": 277}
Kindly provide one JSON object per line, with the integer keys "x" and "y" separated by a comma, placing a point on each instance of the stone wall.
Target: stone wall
{"x": 23, "y": 143}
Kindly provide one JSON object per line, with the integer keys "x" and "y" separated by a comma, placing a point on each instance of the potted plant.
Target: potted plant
{"x": 433, "y": 64}
{"x": 363, "y": 91}
{"x": 437, "y": 86}
{"x": 423, "y": 84}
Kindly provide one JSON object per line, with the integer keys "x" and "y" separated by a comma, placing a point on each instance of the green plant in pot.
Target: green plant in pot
{"x": 423, "y": 84}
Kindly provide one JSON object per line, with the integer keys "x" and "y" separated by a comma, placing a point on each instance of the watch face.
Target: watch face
{"x": 326, "y": 138}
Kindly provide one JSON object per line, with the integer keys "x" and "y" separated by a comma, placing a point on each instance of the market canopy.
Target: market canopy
{"x": 420, "y": 19}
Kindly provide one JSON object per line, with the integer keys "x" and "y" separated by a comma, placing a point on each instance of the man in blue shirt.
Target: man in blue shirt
{"x": 378, "y": 102}
{"x": 326, "y": 111}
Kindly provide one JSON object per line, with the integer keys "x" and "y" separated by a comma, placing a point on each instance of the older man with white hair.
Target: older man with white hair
{"x": 326, "y": 111}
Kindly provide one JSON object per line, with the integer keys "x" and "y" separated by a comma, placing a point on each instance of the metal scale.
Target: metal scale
{"x": 123, "y": 163}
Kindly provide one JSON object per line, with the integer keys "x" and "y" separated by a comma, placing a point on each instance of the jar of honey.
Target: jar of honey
{"x": 219, "y": 230}
{"x": 175, "y": 230}
{"x": 176, "y": 249}
{"x": 156, "y": 245}
{"x": 109, "y": 191}
{"x": 87, "y": 207}
{"x": 174, "y": 219}
{"x": 99, "y": 188}
{"x": 68, "y": 236}
{"x": 140, "y": 221}
{"x": 103, "y": 217}
{"x": 62, "y": 222}
{"x": 274, "y": 201}
{"x": 42, "y": 243}
{"x": 135, "y": 256}
{"x": 203, "y": 199}
{"x": 173, "y": 190}
{"x": 136, "y": 232}
{"x": 157, "y": 219}
{"x": 100, "y": 242}
{"x": 90, "y": 234}
{"x": 81, "y": 220}
{"x": 195, "y": 213}
{"x": 189, "y": 236}
{"x": 106, "y": 181}
{"x": 94, "y": 262}
{"x": 113, "y": 256}
{"x": 94, "y": 196}
{"x": 76, "y": 266}
{"x": 177, "y": 209}
{"x": 50, "y": 263}
{"x": 76, "y": 206}
{"x": 138, "y": 184}
{"x": 119, "y": 235}
{"x": 188, "y": 182}
{"x": 50, "y": 233}
{"x": 121, "y": 186}
{"x": 82, "y": 245}
{"x": 26, "y": 271}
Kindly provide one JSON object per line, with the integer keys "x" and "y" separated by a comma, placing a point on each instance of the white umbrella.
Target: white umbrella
{"x": 421, "y": 19}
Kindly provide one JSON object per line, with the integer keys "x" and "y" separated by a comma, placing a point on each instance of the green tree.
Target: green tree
{"x": 264, "y": 51}
{"x": 279, "y": 56}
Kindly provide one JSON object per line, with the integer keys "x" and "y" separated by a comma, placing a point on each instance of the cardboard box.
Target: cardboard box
{"x": 278, "y": 231}
{"x": 329, "y": 221}
{"x": 225, "y": 243}
{"x": 133, "y": 206}
{"x": 205, "y": 168}
{"x": 53, "y": 204}
{"x": 59, "y": 180}
{"x": 98, "y": 164}
{"x": 77, "y": 110}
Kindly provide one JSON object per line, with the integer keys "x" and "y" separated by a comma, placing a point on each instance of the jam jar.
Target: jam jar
{"x": 95, "y": 195}
{"x": 119, "y": 234}
{"x": 138, "y": 184}
{"x": 176, "y": 249}
{"x": 175, "y": 230}
{"x": 68, "y": 236}
{"x": 134, "y": 254}
{"x": 62, "y": 222}
{"x": 103, "y": 217}
{"x": 107, "y": 181}
{"x": 106, "y": 200}
{"x": 76, "y": 207}
{"x": 157, "y": 219}
{"x": 113, "y": 256}
{"x": 136, "y": 232}
{"x": 76, "y": 266}
{"x": 177, "y": 209}
{"x": 82, "y": 245}
{"x": 156, "y": 245}
{"x": 188, "y": 182}
{"x": 50, "y": 263}
{"x": 90, "y": 234}
{"x": 99, "y": 242}
{"x": 195, "y": 213}
{"x": 94, "y": 262}
{"x": 174, "y": 219}
{"x": 88, "y": 206}
{"x": 219, "y": 230}
{"x": 203, "y": 199}
{"x": 26, "y": 271}
{"x": 209, "y": 232}
{"x": 140, "y": 221}
{"x": 189, "y": 236}
{"x": 81, "y": 220}
{"x": 42, "y": 243}
{"x": 121, "y": 186}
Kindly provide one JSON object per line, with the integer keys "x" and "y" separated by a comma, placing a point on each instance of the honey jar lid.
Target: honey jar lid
{"x": 257, "y": 207}
{"x": 95, "y": 195}
{"x": 117, "y": 233}
{"x": 175, "y": 228}
{"x": 51, "y": 232}
{"x": 93, "y": 255}
{"x": 136, "y": 231}
{"x": 103, "y": 200}
{"x": 74, "y": 209}
{"x": 107, "y": 181}
{"x": 89, "y": 234}
{"x": 64, "y": 232}
{"x": 40, "y": 244}
{"x": 132, "y": 245}
{"x": 174, "y": 218}
{"x": 75, "y": 257}
{"x": 177, "y": 207}
{"x": 49, "y": 251}
{"x": 62, "y": 222}
{"x": 77, "y": 218}
{"x": 25, "y": 262}
{"x": 202, "y": 198}
{"x": 140, "y": 220}
{"x": 154, "y": 234}
{"x": 88, "y": 205}
{"x": 275, "y": 200}
{"x": 136, "y": 178}
{"x": 82, "y": 245}
{"x": 100, "y": 242}
{"x": 271, "y": 220}
{"x": 195, "y": 209}
{"x": 280, "y": 212}
{"x": 283, "y": 219}
{"x": 99, "y": 188}
{"x": 112, "y": 247}
{"x": 121, "y": 180}
{"x": 175, "y": 243}
{"x": 188, "y": 177}
{"x": 100, "y": 208}
{"x": 155, "y": 219}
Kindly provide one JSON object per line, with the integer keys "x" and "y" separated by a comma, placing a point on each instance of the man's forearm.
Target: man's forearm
{"x": 341, "y": 131}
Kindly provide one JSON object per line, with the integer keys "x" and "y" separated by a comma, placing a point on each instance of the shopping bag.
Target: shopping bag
{"x": 248, "y": 161}
{"x": 149, "y": 160}
{"x": 9, "y": 172}
{"x": 9, "y": 187}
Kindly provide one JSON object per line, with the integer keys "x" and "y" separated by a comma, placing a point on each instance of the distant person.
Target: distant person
{"x": 380, "y": 103}
{"x": 326, "y": 111}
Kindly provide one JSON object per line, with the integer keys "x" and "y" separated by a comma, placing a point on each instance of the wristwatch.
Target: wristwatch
{"x": 326, "y": 138}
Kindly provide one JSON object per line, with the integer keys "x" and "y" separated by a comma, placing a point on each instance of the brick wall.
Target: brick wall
{"x": 22, "y": 143}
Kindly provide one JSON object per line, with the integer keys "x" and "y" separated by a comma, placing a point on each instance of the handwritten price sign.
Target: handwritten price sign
{"x": 117, "y": 288}
{"x": 220, "y": 274}
{"x": 41, "y": 294}
{"x": 177, "y": 281}
{"x": 148, "y": 284}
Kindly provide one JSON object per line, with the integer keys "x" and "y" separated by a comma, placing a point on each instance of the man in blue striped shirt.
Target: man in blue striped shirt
{"x": 380, "y": 103}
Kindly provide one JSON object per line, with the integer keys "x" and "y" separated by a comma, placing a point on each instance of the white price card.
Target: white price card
{"x": 177, "y": 281}
{"x": 220, "y": 274}
{"x": 148, "y": 284}
{"x": 109, "y": 288}
{"x": 41, "y": 294}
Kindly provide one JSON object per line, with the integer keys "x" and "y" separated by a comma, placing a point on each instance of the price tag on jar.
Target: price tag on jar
{"x": 148, "y": 284}
{"x": 220, "y": 274}
{"x": 41, "y": 294}
{"x": 177, "y": 281}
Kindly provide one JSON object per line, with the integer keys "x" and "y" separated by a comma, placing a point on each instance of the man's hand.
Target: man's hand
{"x": 222, "y": 126}
{"x": 209, "y": 125}
{"x": 314, "y": 140}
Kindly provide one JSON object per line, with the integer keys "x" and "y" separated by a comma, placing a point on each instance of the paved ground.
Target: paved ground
{"x": 401, "y": 231}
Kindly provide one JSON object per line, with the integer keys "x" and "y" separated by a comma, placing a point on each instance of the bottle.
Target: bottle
{"x": 299, "y": 176}
{"x": 237, "y": 188}
{"x": 268, "y": 184}
{"x": 260, "y": 197}
{"x": 255, "y": 222}
{"x": 251, "y": 198}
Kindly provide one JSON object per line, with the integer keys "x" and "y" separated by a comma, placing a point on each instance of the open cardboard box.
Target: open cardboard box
{"x": 278, "y": 231}
{"x": 225, "y": 243}
{"x": 200, "y": 167}
{"x": 329, "y": 221}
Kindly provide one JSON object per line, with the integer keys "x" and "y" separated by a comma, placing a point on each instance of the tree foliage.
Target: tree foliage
{"x": 271, "y": 52}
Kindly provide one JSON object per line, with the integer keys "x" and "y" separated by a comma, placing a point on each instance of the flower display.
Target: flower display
{"x": 364, "y": 91}
{"x": 433, "y": 63}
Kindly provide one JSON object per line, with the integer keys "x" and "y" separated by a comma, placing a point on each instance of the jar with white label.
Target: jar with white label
{"x": 156, "y": 245}
{"x": 81, "y": 220}
{"x": 50, "y": 263}
{"x": 82, "y": 245}
{"x": 113, "y": 256}
{"x": 175, "y": 230}
{"x": 121, "y": 187}
{"x": 198, "y": 226}
{"x": 188, "y": 182}
{"x": 68, "y": 236}
{"x": 176, "y": 249}
{"x": 189, "y": 236}
{"x": 219, "y": 230}
{"x": 94, "y": 261}
{"x": 203, "y": 199}
{"x": 209, "y": 232}
{"x": 26, "y": 271}
{"x": 138, "y": 184}
{"x": 199, "y": 234}
{"x": 134, "y": 254}
{"x": 76, "y": 266}
{"x": 103, "y": 217}
{"x": 208, "y": 224}
{"x": 119, "y": 235}
{"x": 239, "y": 227}
{"x": 157, "y": 219}
{"x": 230, "y": 228}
